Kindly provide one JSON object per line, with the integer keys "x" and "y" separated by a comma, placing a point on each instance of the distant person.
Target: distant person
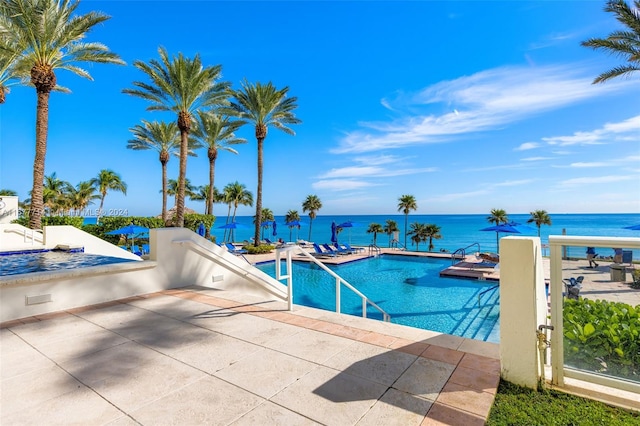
{"x": 617, "y": 255}
{"x": 591, "y": 255}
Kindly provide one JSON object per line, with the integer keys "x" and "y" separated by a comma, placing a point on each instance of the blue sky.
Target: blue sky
{"x": 468, "y": 106}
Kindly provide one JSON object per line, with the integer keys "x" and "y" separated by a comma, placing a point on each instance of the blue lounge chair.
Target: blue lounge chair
{"x": 330, "y": 249}
{"x": 342, "y": 250}
{"x": 321, "y": 253}
{"x": 136, "y": 250}
{"x": 145, "y": 249}
{"x": 353, "y": 249}
{"x": 268, "y": 241}
{"x": 233, "y": 249}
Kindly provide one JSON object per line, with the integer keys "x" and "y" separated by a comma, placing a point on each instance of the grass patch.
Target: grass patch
{"x": 516, "y": 405}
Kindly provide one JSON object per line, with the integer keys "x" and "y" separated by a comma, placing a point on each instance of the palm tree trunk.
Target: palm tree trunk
{"x": 42, "y": 126}
{"x": 406, "y": 218}
{"x": 164, "y": 194}
{"x": 256, "y": 234}
{"x": 212, "y": 168}
{"x": 104, "y": 194}
{"x": 310, "y": 225}
{"x": 182, "y": 174}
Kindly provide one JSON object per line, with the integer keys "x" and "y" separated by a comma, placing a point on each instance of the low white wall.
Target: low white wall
{"x": 8, "y": 208}
{"x": 12, "y": 237}
{"x": 523, "y": 307}
{"x": 66, "y": 234}
{"x": 171, "y": 265}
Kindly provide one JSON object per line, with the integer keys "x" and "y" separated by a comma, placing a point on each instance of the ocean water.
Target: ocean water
{"x": 457, "y": 231}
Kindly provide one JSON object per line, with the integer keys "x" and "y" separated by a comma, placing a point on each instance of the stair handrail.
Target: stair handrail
{"x": 461, "y": 253}
{"x": 295, "y": 249}
{"x": 374, "y": 248}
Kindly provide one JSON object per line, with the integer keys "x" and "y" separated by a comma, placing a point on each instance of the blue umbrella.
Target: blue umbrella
{"x": 520, "y": 227}
{"x": 274, "y": 229}
{"x": 334, "y": 234}
{"x": 132, "y": 230}
{"x": 633, "y": 227}
{"x": 348, "y": 224}
{"x": 293, "y": 224}
{"x": 231, "y": 226}
{"x": 503, "y": 227}
{"x": 201, "y": 229}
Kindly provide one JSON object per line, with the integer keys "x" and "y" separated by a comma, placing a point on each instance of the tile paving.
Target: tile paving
{"x": 202, "y": 356}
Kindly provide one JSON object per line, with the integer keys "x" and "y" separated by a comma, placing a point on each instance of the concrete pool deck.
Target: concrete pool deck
{"x": 203, "y": 356}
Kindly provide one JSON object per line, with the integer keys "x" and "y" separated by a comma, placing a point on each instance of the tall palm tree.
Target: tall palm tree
{"x": 263, "y": 105}
{"x": 539, "y": 217}
{"x": 390, "y": 227}
{"x": 266, "y": 215}
{"x": 53, "y": 192}
{"x": 311, "y": 204}
{"x": 81, "y": 196}
{"x": 497, "y": 217}
{"x": 49, "y": 37}
{"x": 418, "y": 234}
{"x": 8, "y": 193}
{"x": 105, "y": 181}
{"x": 236, "y": 194}
{"x": 183, "y": 86}
{"x": 216, "y": 133}
{"x": 375, "y": 229}
{"x": 432, "y": 231}
{"x": 292, "y": 216}
{"x": 625, "y": 44}
{"x": 172, "y": 189}
{"x": 161, "y": 137}
{"x": 406, "y": 203}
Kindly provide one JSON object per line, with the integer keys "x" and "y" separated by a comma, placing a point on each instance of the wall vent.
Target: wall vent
{"x": 41, "y": 298}
{"x": 217, "y": 278}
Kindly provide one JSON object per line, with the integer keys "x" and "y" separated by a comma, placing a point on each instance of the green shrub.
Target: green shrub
{"x": 636, "y": 279}
{"x": 192, "y": 221}
{"x": 261, "y": 249}
{"x": 602, "y": 337}
{"x": 53, "y": 221}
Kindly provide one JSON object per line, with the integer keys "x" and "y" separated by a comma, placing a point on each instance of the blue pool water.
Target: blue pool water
{"x": 409, "y": 289}
{"x": 24, "y": 263}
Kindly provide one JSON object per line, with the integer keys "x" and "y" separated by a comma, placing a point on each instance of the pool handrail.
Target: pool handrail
{"x": 461, "y": 253}
{"x": 289, "y": 250}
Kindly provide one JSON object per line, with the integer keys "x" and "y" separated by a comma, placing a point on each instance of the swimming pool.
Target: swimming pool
{"x": 409, "y": 289}
{"x": 15, "y": 264}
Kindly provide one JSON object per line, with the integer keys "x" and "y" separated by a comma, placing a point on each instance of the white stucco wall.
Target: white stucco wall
{"x": 66, "y": 234}
{"x": 8, "y": 209}
{"x": 523, "y": 306}
{"x": 171, "y": 265}
{"x": 12, "y": 237}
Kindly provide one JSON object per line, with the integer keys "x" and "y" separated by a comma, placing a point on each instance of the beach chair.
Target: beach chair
{"x": 343, "y": 250}
{"x": 136, "y": 250}
{"x": 354, "y": 249}
{"x": 268, "y": 241}
{"x": 232, "y": 249}
{"x": 319, "y": 252}
{"x": 332, "y": 250}
{"x": 145, "y": 249}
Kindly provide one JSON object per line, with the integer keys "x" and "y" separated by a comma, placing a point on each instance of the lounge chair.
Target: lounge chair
{"x": 136, "y": 250}
{"x": 319, "y": 252}
{"x": 268, "y": 241}
{"x": 145, "y": 249}
{"x": 343, "y": 250}
{"x": 232, "y": 249}
{"x": 354, "y": 249}
{"x": 573, "y": 287}
{"x": 330, "y": 249}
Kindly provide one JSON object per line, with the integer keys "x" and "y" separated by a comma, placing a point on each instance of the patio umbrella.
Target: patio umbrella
{"x": 348, "y": 224}
{"x": 334, "y": 234}
{"x": 633, "y": 227}
{"x": 503, "y": 227}
{"x": 132, "y": 230}
{"x": 275, "y": 232}
{"x": 231, "y": 226}
{"x": 294, "y": 224}
{"x": 520, "y": 227}
{"x": 201, "y": 229}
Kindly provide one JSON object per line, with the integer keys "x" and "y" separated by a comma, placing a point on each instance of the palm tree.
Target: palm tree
{"x": 236, "y": 194}
{"x": 625, "y": 44}
{"x": 81, "y": 196}
{"x": 539, "y": 217}
{"x": 418, "y": 234}
{"x": 183, "y": 86}
{"x": 406, "y": 203}
{"x": 105, "y": 181}
{"x": 375, "y": 228}
{"x": 161, "y": 137}
{"x": 390, "y": 227}
{"x": 8, "y": 193}
{"x": 266, "y": 216}
{"x": 46, "y": 36}
{"x": 53, "y": 190}
{"x": 292, "y": 216}
{"x": 311, "y": 204}
{"x": 201, "y": 193}
{"x": 263, "y": 106}
{"x": 497, "y": 217}
{"x": 216, "y": 133}
{"x": 432, "y": 232}
{"x": 172, "y": 189}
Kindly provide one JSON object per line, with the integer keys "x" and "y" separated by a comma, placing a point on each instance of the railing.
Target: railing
{"x": 27, "y": 235}
{"x": 486, "y": 291}
{"x": 397, "y": 245}
{"x": 558, "y": 244}
{"x": 290, "y": 250}
{"x": 461, "y": 253}
{"x": 374, "y": 250}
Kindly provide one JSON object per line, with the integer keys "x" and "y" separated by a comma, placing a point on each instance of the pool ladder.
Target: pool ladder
{"x": 461, "y": 253}
{"x": 374, "y": 250}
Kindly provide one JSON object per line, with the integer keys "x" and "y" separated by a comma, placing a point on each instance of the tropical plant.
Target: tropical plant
{"x": 263, "y": 105}
{"x": 267, "y": 218}
{"x": 390, "y": 226}
{"x": 53, "y": 193}
{"x": 183, "y": 86}
{"x": 201, "y": 193}
{"x": 45, "y": 36}
{"x": 161, "y": 137}
{"x": 375, "y": 229}
{"x": 105, "y": 181}
{"x": 418, "y": 232}
{"x": 432, "y": 231}
{"x": 8, "y": 193}
{"x": 172, "y": 189}
{"x": 81, "y": 196}
{"x": 311, "y": 204}
{"x": 498, "y": 216}
{"x": 215, "y": 133}
{"x": 406, "y": 203}
{"x": 539, "y": 217}
{"x": 624, "y": 44}
{"x": 292, "y": 216}
{"x": 235, "y": 194}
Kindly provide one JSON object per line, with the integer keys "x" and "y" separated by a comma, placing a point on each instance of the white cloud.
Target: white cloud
{"x": 527, "y": 145}
{"x": 340, "y": 184}
{"x": 489, "y": 99}
{"x": 456, "y": 196}
{"x": 622, "y": 131}
{"x": 589, "y": 165}
{"x": 347, "y": 172}
{"x": 595, "y": 180}
{"x": 513, "y": 182}
{"x": 536, "y": 159}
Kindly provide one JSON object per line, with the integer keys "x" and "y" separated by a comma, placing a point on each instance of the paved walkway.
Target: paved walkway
{"x": 202, "y": 356}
